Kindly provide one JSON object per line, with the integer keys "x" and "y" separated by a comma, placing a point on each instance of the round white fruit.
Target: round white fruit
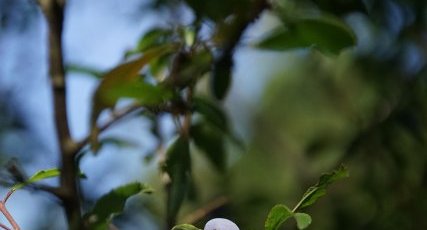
{"x": 220, "y": 224}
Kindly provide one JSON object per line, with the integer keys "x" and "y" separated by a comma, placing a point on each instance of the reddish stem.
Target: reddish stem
{"x": 8, "y": 195}
{"x": 7, "y": 214}
{"x": 4, "y": 227}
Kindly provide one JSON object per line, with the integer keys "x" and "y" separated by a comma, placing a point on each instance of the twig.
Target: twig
{"x": 8, "y": 195}
{"x": 202, "y": 212}
{"x": 4, "y": 227}
{"x": 6, "y": 213}
{"x": 118, "y": 116}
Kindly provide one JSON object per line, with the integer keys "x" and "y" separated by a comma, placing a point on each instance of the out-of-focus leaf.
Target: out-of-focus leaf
{"x": 217, "y": 10}
{"x": 212, "y": 112}
{"x": 154, "y": 37}
{"x": 303, "y": 220}
{"x": 216, "y": 117}
{"x": 14, "y": 168}
{"x": 277, "y": 216}
{"x": 211, "y": 141}
{"x": 144, "y": 93}
{"x": 315, "y": 192}
{"x": 189, "y": 67}
{"x": 41, "y": 175}
{"x": 188, "y": 35}
{"x": 341, "y": 7}
{"x": 159, "y": 67}
{"x": 178, "y": 166}
{"x": 221, "y": 77}
{"x": 112, "y": 204}
{"x": 325, "y": 32}
{"x": 122, "y": 76}
{"x": 119, "y": 142}
{"x": 185, "y": 227}
{"x": 84, "y": 70}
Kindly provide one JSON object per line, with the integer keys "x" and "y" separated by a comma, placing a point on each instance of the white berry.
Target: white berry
{"x": 220, "y": 224}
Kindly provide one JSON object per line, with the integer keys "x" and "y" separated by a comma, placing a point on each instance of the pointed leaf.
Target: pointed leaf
{"x": 324, "y": 32}
{"x": 221, "y": 77}
{"x": 319, "y": 190}
{"x": 185, "y": 227}
{"x": 178, "y": 166}
{"x": 189, "y": 67}
{"x": 154, "y": 37}
{"x": 113, "y": 203}
{"x": 277, "y": 216}
{"x": 122, "y": 76}
{"x": 212, "y": 112}
{"x": 145, "y": 93}
{"x": 216, "y": 10}
{"x": 216, "y": 117}
{"x": 84, "y": 70}
{"x": 211, "y": 141}
{"x": 119, "y": 142}
{"x": 303, "y": 220}
{"x": 41, "y": 175}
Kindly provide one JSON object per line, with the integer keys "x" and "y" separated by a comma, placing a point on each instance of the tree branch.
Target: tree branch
{"x": 202, "y": 212}
{"x": 118, "y": 116}
{"x": 223, "y": 64}
{"x": 54, "y": 12}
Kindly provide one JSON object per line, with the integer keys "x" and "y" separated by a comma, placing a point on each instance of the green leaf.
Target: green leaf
{"x": 211, "y": 141}
{"x": 324, "y": 32}
{"x": 221, "y": 77}
{"x": 212, "y": 112}
{"x": 189, "y": 67}
{"x": 217, "y": 10}
{"x": 159, "y": 68}
{"x": 185, "y": 227}
{"x": 315, "y": 192}
{"x": 216, "y": 117}
{"x": 41, "y": 175}
{"x": 119, "y": 142}
{"x": 84, "y": 70}
{"x": 303, "y": 220}
{"x": 112, "y": 204}
{"x": 121, "y": 77}
{"x": 178, "y": 166}
{"x": 154, "y": 37}
{"x": 143, "y": 92}
{"x": 277, "y": 216}
{"x": 188, "y": 35}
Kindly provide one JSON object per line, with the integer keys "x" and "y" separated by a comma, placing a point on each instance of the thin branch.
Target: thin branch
{"x": 9, "y": 193}
{"x": 202, "y": 212}
{"x": 4, "y": 227}
{"x": 118, "y": 116}
{"x": 49, "y": 189}
{"x": 6, "y": 213}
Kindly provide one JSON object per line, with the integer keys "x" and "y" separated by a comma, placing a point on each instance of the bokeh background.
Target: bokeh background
{"x": 299, "y": 113}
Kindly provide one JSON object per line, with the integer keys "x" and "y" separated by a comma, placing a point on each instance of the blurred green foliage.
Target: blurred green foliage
{"x": 365, "y": 107}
